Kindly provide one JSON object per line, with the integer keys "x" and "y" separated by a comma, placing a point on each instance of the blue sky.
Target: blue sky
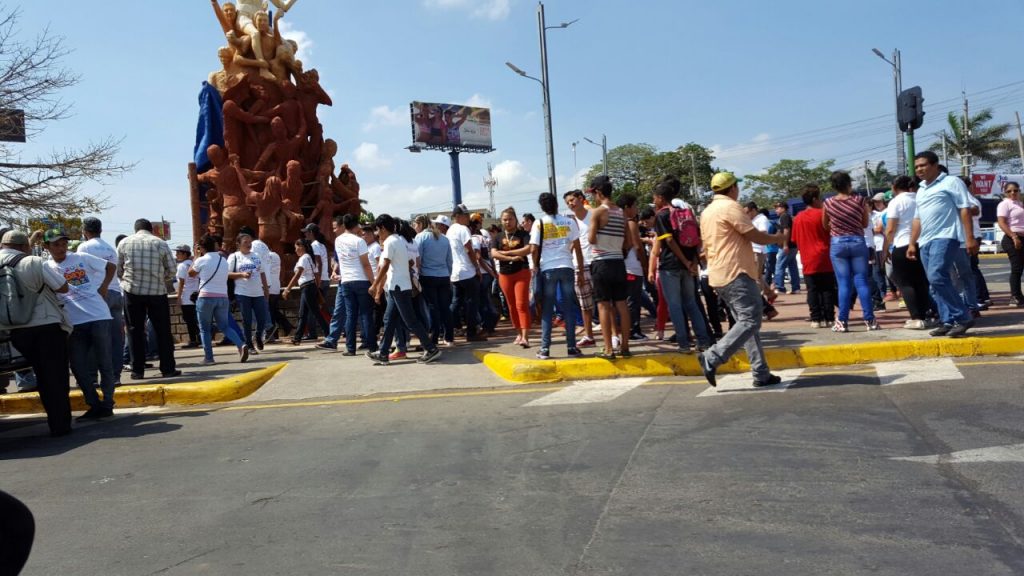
{"x": 757, "y": 81}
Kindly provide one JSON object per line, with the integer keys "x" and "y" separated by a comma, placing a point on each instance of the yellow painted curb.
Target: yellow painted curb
{"x": 188, "y": 393}
{"x": 529, "y": 371}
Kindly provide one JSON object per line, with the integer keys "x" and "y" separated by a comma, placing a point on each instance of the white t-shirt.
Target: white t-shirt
{"x": 84, "y": 274}
{"x": 349, "y": 249}
{"x": 274, "y": 273}
{"x": 374, "y": 251}
{"x": 396, "y": 250}
{"x": 191, "y": 285}
{"x": 321, "y": 251}
{"x": 462, "y": 266}
{"x": 213, "y": 275}
{"x": 306, "y": 263}
{"x": 877, "y": 239}
{"x": 902, "y": 208}
{"x": 559, "y": 234}
{"x": 975, "y": 203}
{"x": 261, "y": 249}
{"x": 761, "y": 223}
{"x": 583, "y": 225}
{"x": 252, "y": 263}
{"x": 99, "y": 248}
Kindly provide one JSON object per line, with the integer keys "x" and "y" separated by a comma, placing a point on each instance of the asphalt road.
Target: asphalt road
{"x": 626, "y": 477}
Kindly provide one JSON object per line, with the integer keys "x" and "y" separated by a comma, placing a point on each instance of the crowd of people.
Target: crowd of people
{"x": 93, "y": 309}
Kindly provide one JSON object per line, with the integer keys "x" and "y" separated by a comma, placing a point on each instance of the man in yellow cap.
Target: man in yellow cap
{"x": 728, "y": 235}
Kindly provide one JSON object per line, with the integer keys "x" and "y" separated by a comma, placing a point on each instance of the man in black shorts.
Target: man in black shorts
{"x": 608, "y": 244}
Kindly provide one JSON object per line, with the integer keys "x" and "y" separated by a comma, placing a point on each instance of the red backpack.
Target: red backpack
{"x": 684, "y": 226}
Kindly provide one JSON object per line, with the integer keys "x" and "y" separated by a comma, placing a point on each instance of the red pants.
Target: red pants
{"x": 516, "y": 288}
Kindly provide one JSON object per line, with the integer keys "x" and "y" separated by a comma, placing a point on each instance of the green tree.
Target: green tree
{"x": 879, "y": 179}
{"x": 986, "y": 143}
{"x": 637, "y": 169}
{"x": 625, "y": 166}
{"x": 785, "y": 180}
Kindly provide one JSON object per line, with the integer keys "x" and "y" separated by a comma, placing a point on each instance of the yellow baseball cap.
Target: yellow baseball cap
{"x": 723, "y": 181}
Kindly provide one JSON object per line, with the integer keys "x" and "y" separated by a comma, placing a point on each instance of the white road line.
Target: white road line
{"x": 589, "y": 392}
{"x": 744, "y": 383}
{"x": 911, "y": 371}
{"x": 1012, "y": 453}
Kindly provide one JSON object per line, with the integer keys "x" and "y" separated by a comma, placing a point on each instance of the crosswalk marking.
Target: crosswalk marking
{"x": 589, "y": 392}
{"x": 1012, "y": 453}
{"x": 744, "y": 383}
{"x": 911, "y": 371}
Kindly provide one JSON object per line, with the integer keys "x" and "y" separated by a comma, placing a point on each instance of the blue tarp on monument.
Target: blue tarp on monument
{"x": 210, "y": 129}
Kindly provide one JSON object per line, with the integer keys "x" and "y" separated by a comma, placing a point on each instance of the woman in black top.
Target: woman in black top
{"x": 511, "y": 251}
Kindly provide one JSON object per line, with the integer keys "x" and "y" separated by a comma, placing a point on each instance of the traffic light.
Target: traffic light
{"x": 910, "y": 109}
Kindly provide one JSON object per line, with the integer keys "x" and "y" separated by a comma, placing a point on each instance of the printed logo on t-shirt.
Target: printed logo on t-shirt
{"x": 553, "y": 231}
{"x": 76, "y": 276}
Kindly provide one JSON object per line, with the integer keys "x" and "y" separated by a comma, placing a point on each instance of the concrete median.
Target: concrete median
{"x": 138, "y": 396}
{"x": 528, "y": 371}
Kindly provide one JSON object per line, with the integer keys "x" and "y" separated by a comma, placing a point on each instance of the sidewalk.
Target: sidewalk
{"x": 789, "y": 341}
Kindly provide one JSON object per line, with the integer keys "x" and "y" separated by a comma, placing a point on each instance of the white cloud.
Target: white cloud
{"x": 478, "y": 101}
{"x": 484, "y": 9}
{"x": 367, "y": 155}
{"x": 385, "y": 116}
{"x": 402, "y": 201}
{"x": 305, "y": 43}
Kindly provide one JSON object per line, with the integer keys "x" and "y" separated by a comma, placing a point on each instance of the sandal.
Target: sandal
{"x": 605, "y": 355}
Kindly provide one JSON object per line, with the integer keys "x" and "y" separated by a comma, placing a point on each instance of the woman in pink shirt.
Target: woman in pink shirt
{"x": 1010, "y": 214}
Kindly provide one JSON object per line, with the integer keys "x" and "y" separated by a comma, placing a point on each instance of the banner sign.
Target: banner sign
{"x": 983, "y": 183}
{"x": 162, "y": 230}
{"x": 451, "y": 126}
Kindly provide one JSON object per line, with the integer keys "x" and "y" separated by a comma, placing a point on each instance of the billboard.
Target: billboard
{"x": 450, "y": 126}
{"x": 162, "y": 229}
{"x": 991, "y": 185}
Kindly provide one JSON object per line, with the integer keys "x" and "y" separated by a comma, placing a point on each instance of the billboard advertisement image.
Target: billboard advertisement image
{"x": 451, "y": 126}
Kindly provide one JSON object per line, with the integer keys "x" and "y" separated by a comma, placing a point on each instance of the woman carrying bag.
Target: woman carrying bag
{"x": 251, "y": 293}
{"x": 212, "y": 303}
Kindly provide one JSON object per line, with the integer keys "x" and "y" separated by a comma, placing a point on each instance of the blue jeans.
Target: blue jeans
{"x": 251, "y": 306}
{"x": 967, "y": 282}
{"x": 90, "y": 351}
{"x": 559, "y": 279}
{"x": 850, "y": 262}
{"x": 309, "y": 311}
{"x": 210, "y": 310}
{"x": 437, "y": 294}
{"x": 115, "y": 301}
{"x": 787, "y": 263}
{"x": 358, "y": 305}
{"x": 400, "y": 311}
{"x": 337, "y": 320}
{"x": 938, "y": 257}
{"x": 680, "y": 292}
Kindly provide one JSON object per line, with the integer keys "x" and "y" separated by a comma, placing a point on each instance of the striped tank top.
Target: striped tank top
{"x": 610, "y": 236}
{"x": 845, "y": 215}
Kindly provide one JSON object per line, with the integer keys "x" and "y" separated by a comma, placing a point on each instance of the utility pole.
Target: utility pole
{"x": 945, "y": 154}
{"x": 575, "y": 171}
{"x": 604, "y": 151}
{"x": 867, "y": 179}
{"x": 546, "y": 84}
{"x": 490, "y": 183}
{"x": 965, "y": 157}
{"x": 1020, "y": 140}
{"x": 693, "y": 172}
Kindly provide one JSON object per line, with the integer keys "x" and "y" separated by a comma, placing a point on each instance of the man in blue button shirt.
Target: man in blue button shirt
{"x": 942, "y": 224}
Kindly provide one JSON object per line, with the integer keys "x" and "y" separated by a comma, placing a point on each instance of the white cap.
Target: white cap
{"x": 443, "y": 220}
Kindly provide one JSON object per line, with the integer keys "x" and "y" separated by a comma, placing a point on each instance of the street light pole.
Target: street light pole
{"x": 897, "y": 75}
{"x": 574, "y": 169}
{"x": 545, "y": 84}
{"x": 604, "y": 152}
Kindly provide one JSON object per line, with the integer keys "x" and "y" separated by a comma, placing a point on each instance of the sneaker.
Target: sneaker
{"x": 397, "y": 355}
{"x": 941, "y": 330}
{"x": 326, "y": 346}
{"x": 208, "y": 362}
{"x": 914, "y": 325}
{"x": 709, "y": 372}
{"x": 430, "y": 356}
{"x": 378, "y": 360}
{"x": 638, "y": 337}
{"x": 772, "y": 380}
{"x": 616, "y": 342}
{"x": 983, "y": 306}
{"x": 872, "y": 325}
{"x": 959, "y": 329}
{"x": 839, "y": 326}
{"x": 171, "y": 374}
{"x": 259, "y": 342}
{"x": 90, "y": 414}
{"x": 543, "y": 354}
{"x": 448, "y": 344}
{"x": 243, "y": 354}
{"x": 816, "y": 324}
{"x": 585, "y": 342}
{"x": 573, "y": 353}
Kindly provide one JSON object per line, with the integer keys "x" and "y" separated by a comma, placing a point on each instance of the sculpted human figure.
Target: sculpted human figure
{"x": 247, "y": 22}
{"x": 311, "y": 95}
{"x": 233, "y": 68}
{"x": 228, "y": 18}
{"x": 290, "y": 109}
{"x": 293, "y": 189}
{"x": 240, "y": 135}
{"x": 346, "y": 187}
{"x": 284, "y": 65}
{"x": 230, "y": 187}
{"x": 271, "y": 215}
{"x": 282, "y": 149}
